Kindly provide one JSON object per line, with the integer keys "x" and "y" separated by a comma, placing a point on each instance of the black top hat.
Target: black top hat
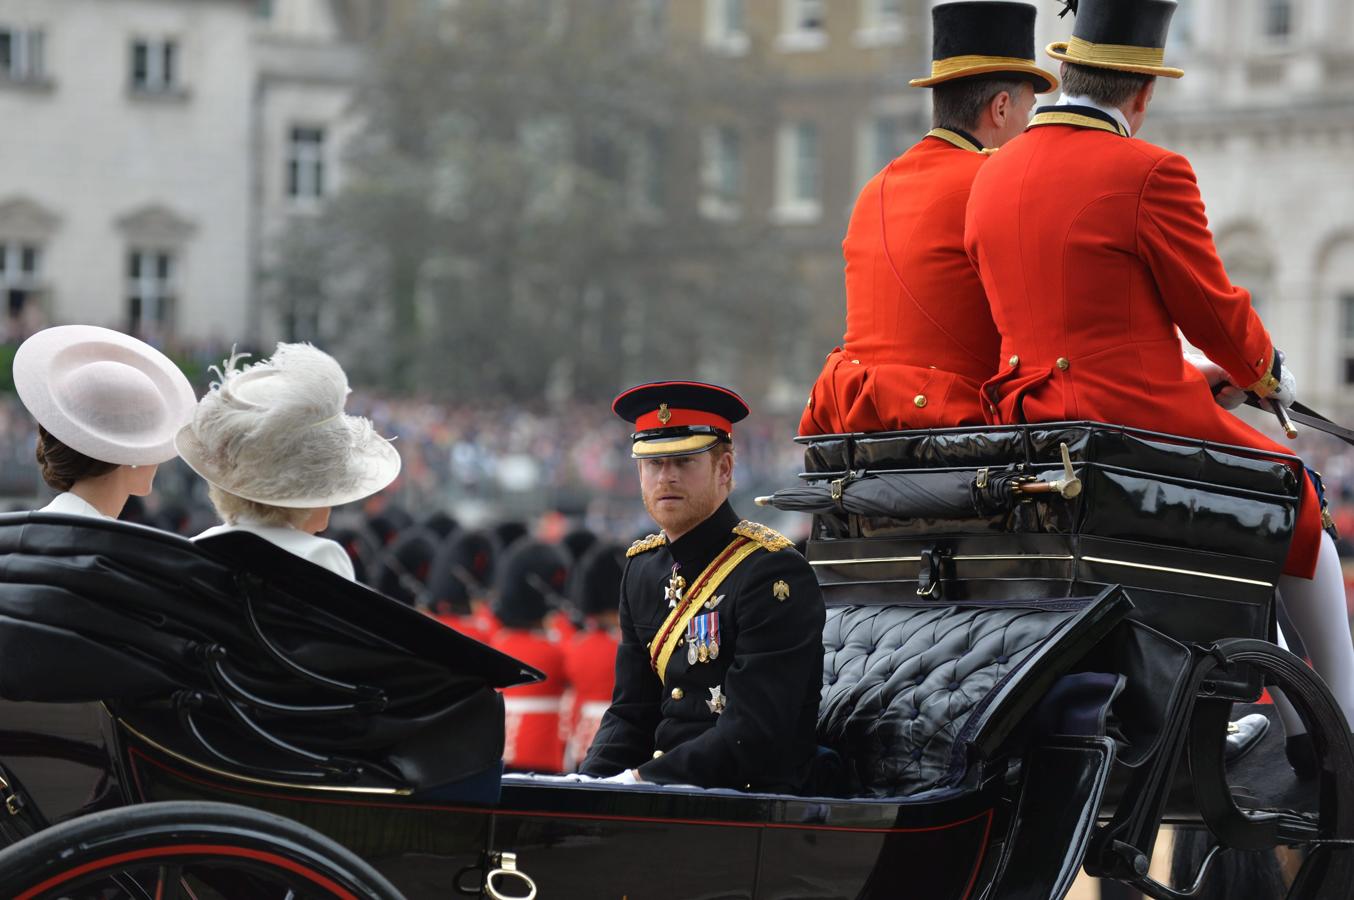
{"x": 530, "y": 583}
{"x": 679, "y": 418}
{"x": 984, "y": 37}
{"x": 1126, "y": 35}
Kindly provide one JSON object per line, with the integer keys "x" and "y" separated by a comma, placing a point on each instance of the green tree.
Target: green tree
{"x": 518, "y": 218}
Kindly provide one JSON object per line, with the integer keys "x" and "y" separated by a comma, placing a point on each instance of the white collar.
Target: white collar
{"x": 1116, "y": 112}
{"x": 72, "y": 505}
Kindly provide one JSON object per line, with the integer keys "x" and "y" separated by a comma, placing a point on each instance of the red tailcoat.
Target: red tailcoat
{"x": 590, "y": 666}
{"x": 1094, "y": 248}
{"x": 531, "y": 720}
{"x": 919, "y": 338}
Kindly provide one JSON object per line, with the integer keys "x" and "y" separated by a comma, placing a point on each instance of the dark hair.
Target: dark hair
{"x": 957, "y": 105}
{"x": 62, "y": 467}
{"x": 1108, "y": 87}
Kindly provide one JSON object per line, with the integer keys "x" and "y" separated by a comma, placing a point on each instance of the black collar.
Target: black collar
{"x": 958, "y": 137}
{"x": 694, "y": 550}
{"x": 1064, "y": 114}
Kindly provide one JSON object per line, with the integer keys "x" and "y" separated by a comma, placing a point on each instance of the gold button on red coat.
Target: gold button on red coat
{"x": 1063, "y": 363}
{"x": 919, "y": 400}
{"x": 1013, "y": 361}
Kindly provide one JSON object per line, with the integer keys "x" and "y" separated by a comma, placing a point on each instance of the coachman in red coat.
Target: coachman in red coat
{"x": 919, "y": 339}
{"x": 1094, "y": 248}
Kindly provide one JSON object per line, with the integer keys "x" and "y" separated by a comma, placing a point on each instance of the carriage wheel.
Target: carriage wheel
{"x": 186, "y": 851}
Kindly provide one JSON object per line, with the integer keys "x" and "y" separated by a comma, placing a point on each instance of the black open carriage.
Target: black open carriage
{"x": 1035, "y": 637}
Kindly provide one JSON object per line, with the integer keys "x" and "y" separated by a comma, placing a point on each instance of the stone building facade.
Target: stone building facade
{"x": 153, "y": 147}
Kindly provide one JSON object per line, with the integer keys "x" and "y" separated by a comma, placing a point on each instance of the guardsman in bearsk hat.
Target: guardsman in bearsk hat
{"x": 1094, "y": 249}
{"x": 721, "y": 656}
{"x": 459, "y": 582}
{"x": 530, "y": 579}
{"x": 590, "y": 653}
{"x": 919, "y": 338}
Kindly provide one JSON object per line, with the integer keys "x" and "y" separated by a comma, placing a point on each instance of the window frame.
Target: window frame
{"x": 163, "y": 76}
{"x": 798, "y": 35}
{"x": 877, "y": 29}
{"x": 723, "y": 172}
{"x": 27, "y": 55}
{"x": 792, "y": 205}
{"x": 722, "y": 36}
{"x": 163, "y": 290}
{"x": 306, "y": 167}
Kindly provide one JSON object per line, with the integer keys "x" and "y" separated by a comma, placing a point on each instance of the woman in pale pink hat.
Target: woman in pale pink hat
{"x": 107, "y": 406}
{"x": 277, "y": 451}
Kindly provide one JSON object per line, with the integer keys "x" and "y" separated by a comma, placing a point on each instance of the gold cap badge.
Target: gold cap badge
{"x": 664, "y": 414}
{"x": 781, "y": 590}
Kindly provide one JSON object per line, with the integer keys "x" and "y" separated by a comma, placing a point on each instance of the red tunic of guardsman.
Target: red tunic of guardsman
{"x": 530, "y": 576}
{"x": 1093, "y": 248}
{"x": 919, "y": 338}
{"x": 590, "y": 653}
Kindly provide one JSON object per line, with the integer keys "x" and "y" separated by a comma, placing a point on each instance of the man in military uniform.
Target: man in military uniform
{"x": 919, "y": 337}
{"x": 721, "y": 657}
{"x": 1094, "y": 248}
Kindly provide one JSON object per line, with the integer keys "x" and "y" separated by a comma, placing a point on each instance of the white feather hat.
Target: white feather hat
{"x": 104, "y": 394}
{"x": 275, "y": 433}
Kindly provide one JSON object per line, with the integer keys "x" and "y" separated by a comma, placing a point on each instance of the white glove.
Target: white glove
{"x": 1225, "y": 393}
{"x": 626, "y": 777}
{"x": 1286, "y": 394}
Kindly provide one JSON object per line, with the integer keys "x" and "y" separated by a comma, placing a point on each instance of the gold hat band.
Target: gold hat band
{"x": 678, "y": 447}
{"x": 943, "y": 68}
{"x": 1120, "y": 54}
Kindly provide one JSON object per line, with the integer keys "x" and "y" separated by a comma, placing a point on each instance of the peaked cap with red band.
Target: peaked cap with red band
{"x": 679, "y": 418}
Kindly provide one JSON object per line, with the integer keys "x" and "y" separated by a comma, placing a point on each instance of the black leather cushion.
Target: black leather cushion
{"x": 901, "y": 682}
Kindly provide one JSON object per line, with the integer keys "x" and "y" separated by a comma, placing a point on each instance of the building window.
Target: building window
{"x": 725, "y": 29}
{"x": 798, "y": 174}
{"x": 155, "y": 65}
{"x": 804, "y": 25}
{"x": 305, "y": 163}
{"x": 1347, "y": 337}
{"x": 20, "y": 279}
{"x": 721, "y": 173}
{"x": 881, "y": 23}
{"x": 150, "y": 292}
{"x": 21, "y": 54}
{"x": 1277, "y": 25}
{"x": 885, "y": 138}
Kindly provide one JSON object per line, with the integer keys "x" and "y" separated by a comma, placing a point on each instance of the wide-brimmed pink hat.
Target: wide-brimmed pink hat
{"x": 103, "y": 393}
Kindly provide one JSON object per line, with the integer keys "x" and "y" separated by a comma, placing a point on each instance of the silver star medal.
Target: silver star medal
{"x": 716, "y": 701}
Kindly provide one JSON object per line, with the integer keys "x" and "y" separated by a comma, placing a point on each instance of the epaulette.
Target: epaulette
{"x": 645, "y": 544}
{"x": 769, "y": 538}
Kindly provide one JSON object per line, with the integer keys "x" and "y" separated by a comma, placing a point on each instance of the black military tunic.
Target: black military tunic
{"x": 739, "y": 704}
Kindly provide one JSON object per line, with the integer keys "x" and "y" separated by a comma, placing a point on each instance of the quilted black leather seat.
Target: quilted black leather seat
{"x": 909, "y": 690}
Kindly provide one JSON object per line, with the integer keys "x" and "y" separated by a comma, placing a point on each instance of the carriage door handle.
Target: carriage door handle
{"x": 506, "y": 869}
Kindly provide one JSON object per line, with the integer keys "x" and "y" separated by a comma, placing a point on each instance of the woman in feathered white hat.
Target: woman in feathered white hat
{"x": 107, "y": 406}
{"x": 277, "y": 451}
